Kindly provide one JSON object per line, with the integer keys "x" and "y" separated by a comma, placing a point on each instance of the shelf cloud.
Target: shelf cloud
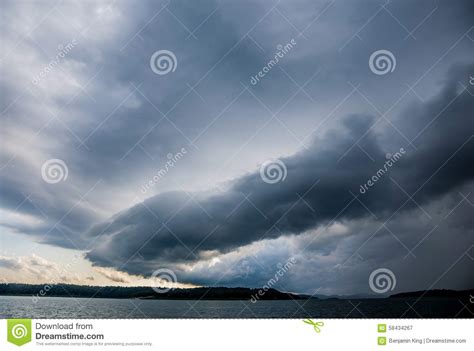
{"x": 322, "y": 186}
{"x": 220, "y": 140}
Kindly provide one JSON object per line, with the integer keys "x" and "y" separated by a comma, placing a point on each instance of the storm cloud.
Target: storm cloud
{"x": 210, "y": 217}
{"x": 322, "y": 185}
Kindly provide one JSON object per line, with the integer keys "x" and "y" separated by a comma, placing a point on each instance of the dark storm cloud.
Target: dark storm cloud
{"x": 339, "y": 259}
{"x": 317, "y": 189}
{"x": 111, "y": 60}
{"x": 122, "y": 61}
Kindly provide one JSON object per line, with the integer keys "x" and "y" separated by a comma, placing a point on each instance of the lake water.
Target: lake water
{"x": 61, "y": 307}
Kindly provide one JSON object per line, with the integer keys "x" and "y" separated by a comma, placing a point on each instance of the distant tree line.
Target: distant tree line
{"x": 117, "y": 292}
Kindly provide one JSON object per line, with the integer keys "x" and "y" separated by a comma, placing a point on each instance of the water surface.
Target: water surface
{"x": 65, "y": 307}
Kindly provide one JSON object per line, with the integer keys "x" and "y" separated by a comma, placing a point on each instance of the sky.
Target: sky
{"x": 209, "y": 143}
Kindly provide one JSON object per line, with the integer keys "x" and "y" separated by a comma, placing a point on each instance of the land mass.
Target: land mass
{"x": 202, "y": 293}
{"x": 118, "y": 292}
{"x": 437, "y": 293}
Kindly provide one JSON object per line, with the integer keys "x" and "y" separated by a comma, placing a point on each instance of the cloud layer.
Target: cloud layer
{"x": 76, "y": 85}
{"x": 322, "y": 186}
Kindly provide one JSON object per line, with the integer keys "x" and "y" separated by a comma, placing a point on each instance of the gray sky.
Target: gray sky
{"x": 167, "y": 171}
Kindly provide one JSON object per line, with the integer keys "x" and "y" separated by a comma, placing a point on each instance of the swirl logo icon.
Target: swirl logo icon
{"x": 19, "y": 331}
{"x": 273, "y": 171}
{"x": 382, "y": 62}
{"x": 163, "y": 276}
{"x": 54, "y": 171}
{"x": 163, "y": 62}
{"x": 382, "y": 280}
